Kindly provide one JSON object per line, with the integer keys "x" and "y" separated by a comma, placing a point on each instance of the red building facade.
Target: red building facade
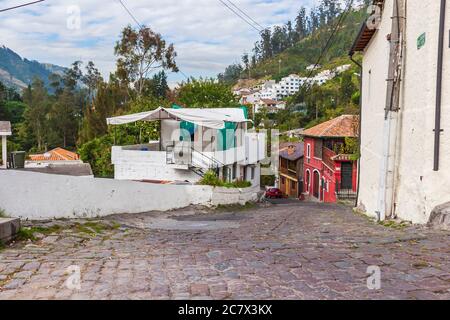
{"x": 330, "y": 173}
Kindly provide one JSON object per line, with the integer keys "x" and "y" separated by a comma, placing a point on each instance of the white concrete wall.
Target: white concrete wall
{"x": 41, "y": 196}
{"x": 375, "y": 73}
{"x": 418, "y": 188}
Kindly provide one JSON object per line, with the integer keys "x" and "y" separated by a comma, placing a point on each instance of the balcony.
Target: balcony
{"x": 182, "y": 155}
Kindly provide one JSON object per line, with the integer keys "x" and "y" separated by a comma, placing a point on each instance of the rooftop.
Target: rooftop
{"x": 292, "y": 150}
{"x": 343, "y": 126}
{"x": 58, "y": 154}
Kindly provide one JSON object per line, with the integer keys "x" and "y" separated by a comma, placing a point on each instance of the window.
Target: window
{"x": 308, "y": 151}
{"x": 318, "y": 145}
{"x": 283, "y": 180}
{"x": 253, "y": 173}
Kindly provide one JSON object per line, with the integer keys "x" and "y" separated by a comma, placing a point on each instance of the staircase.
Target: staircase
{"x": 197, "y": 162}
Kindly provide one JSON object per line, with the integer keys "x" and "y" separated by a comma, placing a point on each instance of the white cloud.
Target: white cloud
{"x": 206, "y": 35}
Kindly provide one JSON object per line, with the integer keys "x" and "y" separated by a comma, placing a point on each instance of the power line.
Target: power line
{"x": 22, "y": 5}
{"x": 245, "y": 14}
{"x": 131, "y": 14}
{"x": 240, "y": 16}
{"x": 329, "y": 41}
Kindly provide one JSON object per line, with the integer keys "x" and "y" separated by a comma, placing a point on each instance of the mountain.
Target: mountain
{"x": 18, "y": 72}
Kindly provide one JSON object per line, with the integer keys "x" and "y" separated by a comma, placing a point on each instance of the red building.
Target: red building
{"x": 329, "y": 171}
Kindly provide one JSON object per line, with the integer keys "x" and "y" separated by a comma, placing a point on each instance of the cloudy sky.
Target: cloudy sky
{"x": 206, "y": 35}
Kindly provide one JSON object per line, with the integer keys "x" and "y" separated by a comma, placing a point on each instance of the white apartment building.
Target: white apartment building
{"x": 405, "y": 129}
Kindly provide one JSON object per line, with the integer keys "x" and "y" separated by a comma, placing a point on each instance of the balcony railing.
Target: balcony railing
{"x": 345, "y": 193}
{"x": 327, "y": 155}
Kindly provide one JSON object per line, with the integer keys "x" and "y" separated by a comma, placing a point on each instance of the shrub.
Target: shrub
{"x": 211, "y": 179}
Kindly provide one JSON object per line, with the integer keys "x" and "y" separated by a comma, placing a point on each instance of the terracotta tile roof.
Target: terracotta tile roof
{"x": 5, "y": 128}
{"x": 343, "y": 126}
{"x": 58, "y": 154}
{"x": 270, "y": 101}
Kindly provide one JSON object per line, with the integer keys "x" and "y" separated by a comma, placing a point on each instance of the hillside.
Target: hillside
{"x": 305, "y": 52}
{"x": 18, "y": 72}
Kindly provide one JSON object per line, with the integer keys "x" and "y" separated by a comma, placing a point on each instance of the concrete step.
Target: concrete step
{"x": 8, "y": 229}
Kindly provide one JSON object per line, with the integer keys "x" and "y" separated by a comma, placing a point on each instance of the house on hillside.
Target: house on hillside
{"x": 291, "y": 168}
{"x": 272, "y": 106}
{"x": 5, "y": 131}
{"x": 57, "y": 154}
{"x": 192, "y": 141}
{"x": 330, "y": 173}
{"x": 405, "y": 125}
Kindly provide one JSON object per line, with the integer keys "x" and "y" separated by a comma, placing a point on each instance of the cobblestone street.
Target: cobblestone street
{"x": 292, "y": 251}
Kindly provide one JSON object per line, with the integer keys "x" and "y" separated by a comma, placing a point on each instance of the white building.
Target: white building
{"x": 405, "y": 150}
{"x": 250, "y": 98}
{"x": 271, "y": 105}
{"x": 192, "y": 141}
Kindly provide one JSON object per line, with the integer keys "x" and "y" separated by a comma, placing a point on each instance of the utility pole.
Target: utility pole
{"x": 279, "y": 66}
{"x": 387, "y": 172}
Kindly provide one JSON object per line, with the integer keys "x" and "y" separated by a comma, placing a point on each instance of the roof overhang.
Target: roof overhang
{"x": 209, "y": 118}
{"x": 365, "y": 34}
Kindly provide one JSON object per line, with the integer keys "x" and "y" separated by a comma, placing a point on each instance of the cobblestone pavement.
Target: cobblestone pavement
{"x": 304, "y": 251}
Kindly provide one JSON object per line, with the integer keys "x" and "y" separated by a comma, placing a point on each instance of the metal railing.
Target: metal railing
{"x": 345, "y": 193}
{"x": 184, "y": 154}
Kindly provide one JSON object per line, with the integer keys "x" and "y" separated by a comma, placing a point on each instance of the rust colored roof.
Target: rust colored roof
{"x": 269, "y": 101}
{"x": 343, "y": 126}
{"x": 365, "y": 34}
{"x": 58, "y": 154}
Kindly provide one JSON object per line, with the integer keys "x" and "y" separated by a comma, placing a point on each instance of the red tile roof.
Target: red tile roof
{"x": 343, "y": 126}
{"x": 58, "y": 154}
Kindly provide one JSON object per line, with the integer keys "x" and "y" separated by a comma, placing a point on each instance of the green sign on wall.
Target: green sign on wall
{"x": 421, "y": 41}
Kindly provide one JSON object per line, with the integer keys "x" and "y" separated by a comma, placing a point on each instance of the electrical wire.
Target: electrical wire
{"x": 245, "y": 14}
{"x": 329, "y": 41}
{"x": 241, "y": 17}
{"x": 20, "y": 6}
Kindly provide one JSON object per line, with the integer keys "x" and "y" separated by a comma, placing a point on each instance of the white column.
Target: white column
{"x": 4, "y": 153}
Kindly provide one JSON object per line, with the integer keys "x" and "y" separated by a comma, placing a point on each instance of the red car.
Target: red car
{"x": 274, "y": 193}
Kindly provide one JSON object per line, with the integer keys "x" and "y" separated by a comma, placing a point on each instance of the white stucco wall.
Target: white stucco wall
{"x": 418, "y": 189}
{"x": 41, "y": 196}
{"x": 375, "y": 73}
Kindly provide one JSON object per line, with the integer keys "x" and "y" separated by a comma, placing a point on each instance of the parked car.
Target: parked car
{"x": 274, "y": 193}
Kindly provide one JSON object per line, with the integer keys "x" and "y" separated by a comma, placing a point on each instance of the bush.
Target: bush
{"x": 211, "y": 179}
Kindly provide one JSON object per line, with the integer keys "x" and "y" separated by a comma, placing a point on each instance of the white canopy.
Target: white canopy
{"x": 209, "y": 118}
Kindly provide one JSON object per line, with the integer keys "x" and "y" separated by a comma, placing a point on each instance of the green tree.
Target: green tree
{"x": 141, "y": 52}
{"x": 205, "y": 93}
{"x": 38, "y": 105}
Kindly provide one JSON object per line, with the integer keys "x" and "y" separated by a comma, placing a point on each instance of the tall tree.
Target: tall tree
{"x": 140, "y": 53}
{"x": 92, "y": 78}
{"x": 37, "y": 100}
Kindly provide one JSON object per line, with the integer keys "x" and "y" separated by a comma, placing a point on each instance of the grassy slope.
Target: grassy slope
{"x": 306, "y": 52}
